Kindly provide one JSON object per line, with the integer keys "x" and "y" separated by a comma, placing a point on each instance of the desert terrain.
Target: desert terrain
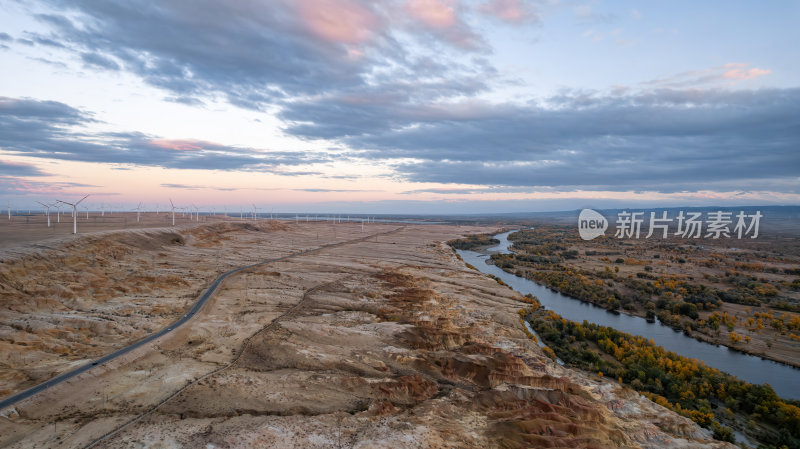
{"x": 358, "y": 339}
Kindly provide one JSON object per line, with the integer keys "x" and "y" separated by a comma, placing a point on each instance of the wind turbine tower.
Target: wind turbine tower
{"x": 173, "y": 211}
{"x": 74, "y": 213}
{"x": 47, "y": 209}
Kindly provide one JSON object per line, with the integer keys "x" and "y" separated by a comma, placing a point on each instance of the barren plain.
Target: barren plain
{"x": 377, "y": 338}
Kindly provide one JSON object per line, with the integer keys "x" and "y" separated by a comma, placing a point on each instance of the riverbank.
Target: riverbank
{"x": 739, "y": 298}
{"x": 746, "y": 367}
{"x": 708, "y": 396}
{"x": 783, "y": 355}
{"x": 608, "y": 360}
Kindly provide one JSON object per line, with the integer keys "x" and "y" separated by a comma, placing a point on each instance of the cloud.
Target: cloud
{"x": 727, "y": 74}
{"x": 479, "y": 190}
{"x": 229, "y": 189}
{"x": 515, "y": 12}
{"x": 262, "y": 55}
{"x": 434, "y": 13}
{"x": 48, "y": 42}
{"x": 341, "y": 21}
{"x": 198, "y": 187}
{"x": 587, "y": 14}
{"x": 333, "y": 190}
{"x": 98, "y": 60}
{"x": 13, "y": 185}
{"x": 252, "y": 54}
{"x": 740, "y": 73}
{"x": 17, "y": 169}
{"x": 443, "y": 19}
{"x": 664, "y": 139}
{"x": 52, "y": 130}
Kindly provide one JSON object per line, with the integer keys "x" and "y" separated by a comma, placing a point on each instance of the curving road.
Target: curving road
{"x": 22, "y": 395}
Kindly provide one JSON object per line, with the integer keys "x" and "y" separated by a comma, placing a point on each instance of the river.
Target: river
{"x": 784, "y": 379}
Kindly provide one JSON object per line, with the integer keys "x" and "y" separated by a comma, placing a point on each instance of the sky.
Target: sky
{"x": 400, "y": 106}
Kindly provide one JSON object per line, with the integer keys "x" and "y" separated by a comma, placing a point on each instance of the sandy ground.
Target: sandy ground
{"x": 27, "y": 228}
{"x": 386, "y": 341}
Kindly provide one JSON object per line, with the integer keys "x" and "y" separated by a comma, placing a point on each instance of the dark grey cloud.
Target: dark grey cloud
{"x": 250, "y": 54}
{"x": 48, "y": 42}
{"x": 663, "y": 140}
{"x": 50, "y": 62}
{"x": 52, "y": 130}
{"x": 18, "y": 169}
{"x": 474, "y": 190}
{"x": 98, "y": 60}
{"x": 390, "y": 105}
{"x": 257, "y": 55}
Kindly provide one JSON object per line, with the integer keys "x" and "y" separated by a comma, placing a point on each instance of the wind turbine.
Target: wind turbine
{"x": 138, "y": 213}
{"x": 47, "y": 209}
{"x": 102, "y": 210}
{"x": 87, "y": 211}
{"x": 255, "y": 213}
{"x": 74, "y": 213}
{"x": 9, "y": 211}
{"x": 173, "y": 211}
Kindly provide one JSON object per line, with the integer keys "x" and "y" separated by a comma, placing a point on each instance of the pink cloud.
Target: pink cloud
{"x": 433, "y": 13}
{"x": 730, "y": 73}
{"x": 179, "y": 145}
{"x": 442, "y": 19}
{"x": 339, "y": 21}
{"x": 511, "y": 11}
{"x": 744, "y": 74}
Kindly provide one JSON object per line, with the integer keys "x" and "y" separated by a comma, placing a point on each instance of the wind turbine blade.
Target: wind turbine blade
{"x": 79, "y": 202}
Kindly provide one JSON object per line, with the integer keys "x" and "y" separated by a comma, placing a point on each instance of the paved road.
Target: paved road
{"x": 11, "y": 400}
